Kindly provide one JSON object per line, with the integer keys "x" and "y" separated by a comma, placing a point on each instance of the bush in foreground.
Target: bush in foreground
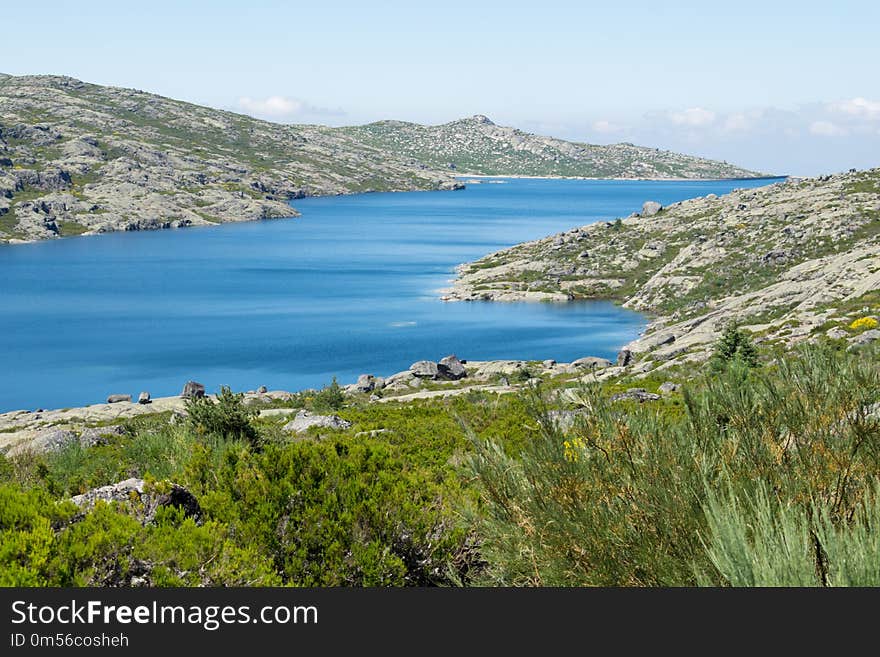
{"x": 639, "y": 497}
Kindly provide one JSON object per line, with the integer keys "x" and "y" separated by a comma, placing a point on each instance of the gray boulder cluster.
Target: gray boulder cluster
{"x": 449, "y": 368}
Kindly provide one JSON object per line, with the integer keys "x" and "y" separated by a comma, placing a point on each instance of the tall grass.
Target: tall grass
{"x": 640, "y": 496}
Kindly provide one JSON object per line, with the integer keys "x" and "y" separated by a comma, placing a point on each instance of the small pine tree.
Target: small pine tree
{"x": 734, "y": 345}
{"x": 227, "y": 418}
{"x": 330, "y": 397}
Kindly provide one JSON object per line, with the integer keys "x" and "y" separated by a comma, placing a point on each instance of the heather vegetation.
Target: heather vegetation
{"x": 756, "y": 472}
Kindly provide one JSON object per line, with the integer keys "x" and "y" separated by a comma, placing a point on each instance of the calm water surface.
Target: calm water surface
{"x": 350, "y": 287}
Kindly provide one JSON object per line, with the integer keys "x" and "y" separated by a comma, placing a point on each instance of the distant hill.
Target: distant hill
{"x": 82, "y": 158}
{"x": 78, "y": 157}
{"x": 476, "y": 145}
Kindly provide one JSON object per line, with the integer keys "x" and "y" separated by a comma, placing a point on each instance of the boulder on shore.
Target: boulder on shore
{"x": 425, "y": 369}
{"x": 592, "y": 362}
{"x": 365, "y": 383}
{"x": 192, "y": 389}
{"x": 115, "y": 399}
{"x": 144, "y": 398}
{"x": 650, "y": 208}
{"x": 451, "y": 368}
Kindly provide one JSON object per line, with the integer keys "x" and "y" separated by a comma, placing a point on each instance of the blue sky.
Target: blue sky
{"x": 789, "y": 87}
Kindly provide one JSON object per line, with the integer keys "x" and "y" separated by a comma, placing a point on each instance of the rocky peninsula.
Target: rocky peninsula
{"x": 788, "y": 262}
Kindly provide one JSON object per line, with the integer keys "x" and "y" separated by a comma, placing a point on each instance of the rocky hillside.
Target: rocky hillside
{"x": 81, "y": 158}
{"x": 477, "y": 146}
{"x": 790, "y": 261}
{"x": 78, "y": 157}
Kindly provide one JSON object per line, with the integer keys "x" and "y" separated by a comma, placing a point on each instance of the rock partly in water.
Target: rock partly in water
{"x": 305, "y": 420}
{"x": 451, "y": 368}
{"x": 115, "y": 399}
{"x": 193, "y": 389}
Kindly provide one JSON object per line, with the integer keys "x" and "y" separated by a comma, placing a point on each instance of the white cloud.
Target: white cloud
{"x": 279, "y": 108}
{"x": 858, "y": 108}
{"x": 605, "y": 127}
{"x": 737, "y": 122}
{"x": 271, "y": 106}
{"x": 695, "y": 117}
{"x": 827, "y": 129}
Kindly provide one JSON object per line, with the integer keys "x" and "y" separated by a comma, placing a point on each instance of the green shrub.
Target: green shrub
{"x": 226, "y": 418}
{"x": 329, "y": 398}
{"x": 734, "y": 346}
{"x": 759, "y": 541}
{"x": 333, "y": 514}
{"x": 619, "y": 498}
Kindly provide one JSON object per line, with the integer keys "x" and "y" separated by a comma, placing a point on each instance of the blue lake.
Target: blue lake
{"x": 348, "y": 288}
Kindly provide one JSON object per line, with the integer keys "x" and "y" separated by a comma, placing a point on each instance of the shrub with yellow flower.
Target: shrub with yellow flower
{"x": 572, "y": 448}
{"x": 863, "y": 324}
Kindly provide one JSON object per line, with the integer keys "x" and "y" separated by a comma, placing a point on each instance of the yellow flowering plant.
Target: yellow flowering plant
{"x": 863, "y": 324}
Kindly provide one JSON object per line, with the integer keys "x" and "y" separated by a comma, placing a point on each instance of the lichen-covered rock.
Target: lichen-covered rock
{"x": 365, "y": 383}
{"x": 650, "y": 208}
{"x": 305, "y": 420}
{"x": 425, "y": 369}
{"x": 141, "y": 499}
{"x": 636, "y": 394}
{"x": 95, "y": 436}
{"x": 48, "y": 440}
{"x": 592, "y": 363}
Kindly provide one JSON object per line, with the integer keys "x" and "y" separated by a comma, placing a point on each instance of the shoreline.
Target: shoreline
{"x": 458, "y": 184}
{"x": 482, "y": 176}
{"x": 32, "y": 430}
